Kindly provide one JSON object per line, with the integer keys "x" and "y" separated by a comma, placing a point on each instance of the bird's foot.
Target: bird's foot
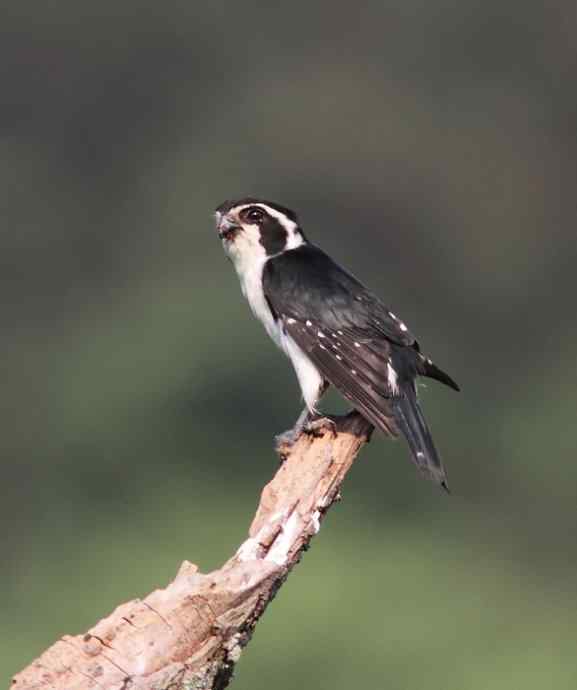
{"x": 287, "y": 439}
{"x": 311, "y": 427}
{"x": 317, "y": 427}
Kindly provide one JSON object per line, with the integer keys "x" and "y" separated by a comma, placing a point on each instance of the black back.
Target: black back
{"x": 307, "y": 284}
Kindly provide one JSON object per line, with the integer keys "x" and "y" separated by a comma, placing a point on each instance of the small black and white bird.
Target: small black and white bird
{"x": 333, "y": 329}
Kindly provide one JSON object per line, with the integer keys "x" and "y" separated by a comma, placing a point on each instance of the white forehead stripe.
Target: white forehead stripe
{"x": 286, "y": 222}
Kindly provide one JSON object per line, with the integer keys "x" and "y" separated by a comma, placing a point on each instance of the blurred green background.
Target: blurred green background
{"x": 429, "y": 146}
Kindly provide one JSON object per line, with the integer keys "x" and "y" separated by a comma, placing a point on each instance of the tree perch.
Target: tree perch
{"x": 189, "y": 635}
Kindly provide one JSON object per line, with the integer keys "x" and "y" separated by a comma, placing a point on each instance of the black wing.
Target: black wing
{"x": 307, "y": 282}
{"x": 357, "y": 344}
{"x": 357, "y": 375}
{"x": 343, "y": 328}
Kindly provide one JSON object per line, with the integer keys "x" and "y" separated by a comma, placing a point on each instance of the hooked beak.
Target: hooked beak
{"x": 226, "y": 226}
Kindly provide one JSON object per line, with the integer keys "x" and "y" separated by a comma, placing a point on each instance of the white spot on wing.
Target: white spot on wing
{"x": 402, "y": 327}
{"x": 321, "y": 334}
{"x": 353, "y": 371}
{"x": 308, "y": 323}
{"x": 392, "y": 378}
{"x": 290, "y": 321}
{"x": 339, "y": 358}
{"x": 357, "y": 344}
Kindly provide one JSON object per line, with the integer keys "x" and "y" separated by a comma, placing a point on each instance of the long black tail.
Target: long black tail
{"x": 412, "y": 424}
{"x": 431, "y": 370}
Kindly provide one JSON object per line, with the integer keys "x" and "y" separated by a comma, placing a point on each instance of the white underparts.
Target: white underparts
{"x": 249, "y": 258}
{"x": 308, "y": 375}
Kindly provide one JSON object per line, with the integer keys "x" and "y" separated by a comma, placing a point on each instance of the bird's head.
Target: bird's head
{"x": 253, "y": 229}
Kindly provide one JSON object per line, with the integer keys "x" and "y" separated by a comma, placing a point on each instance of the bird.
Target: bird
{"x": 334, "y": 330}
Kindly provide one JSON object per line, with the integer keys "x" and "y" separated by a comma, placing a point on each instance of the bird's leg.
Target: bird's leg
{"x": 288, "y": 438}
{"x": 315, "y": 425}
{"x": 307, "y": 423}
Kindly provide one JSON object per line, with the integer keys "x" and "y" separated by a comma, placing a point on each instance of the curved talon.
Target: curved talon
{"x": 316, "y": 427}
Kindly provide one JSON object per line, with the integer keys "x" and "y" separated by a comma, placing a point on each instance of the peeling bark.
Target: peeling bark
{"x": 189, "y": 635}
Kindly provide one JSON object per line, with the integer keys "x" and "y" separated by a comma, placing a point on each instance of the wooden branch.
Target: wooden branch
{"x": 190, "y": 634}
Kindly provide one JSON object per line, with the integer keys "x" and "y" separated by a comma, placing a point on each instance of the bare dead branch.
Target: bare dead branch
{"x": 190, "y": 634}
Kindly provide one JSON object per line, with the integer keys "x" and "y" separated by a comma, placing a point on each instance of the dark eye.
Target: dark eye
{"x": 254, "y": 215}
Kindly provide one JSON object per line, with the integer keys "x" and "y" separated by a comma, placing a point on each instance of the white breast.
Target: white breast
{"x": 251, "y": 285}
{"x": 250, "y": 266}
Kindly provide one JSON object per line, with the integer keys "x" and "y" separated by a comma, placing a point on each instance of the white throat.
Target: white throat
{"x": 249, "y": 259}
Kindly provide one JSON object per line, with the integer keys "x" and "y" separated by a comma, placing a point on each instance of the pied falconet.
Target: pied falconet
{"x": 333, "y": 329}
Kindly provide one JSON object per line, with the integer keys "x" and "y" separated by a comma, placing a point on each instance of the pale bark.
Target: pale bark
{"x": 190, "y": 634}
